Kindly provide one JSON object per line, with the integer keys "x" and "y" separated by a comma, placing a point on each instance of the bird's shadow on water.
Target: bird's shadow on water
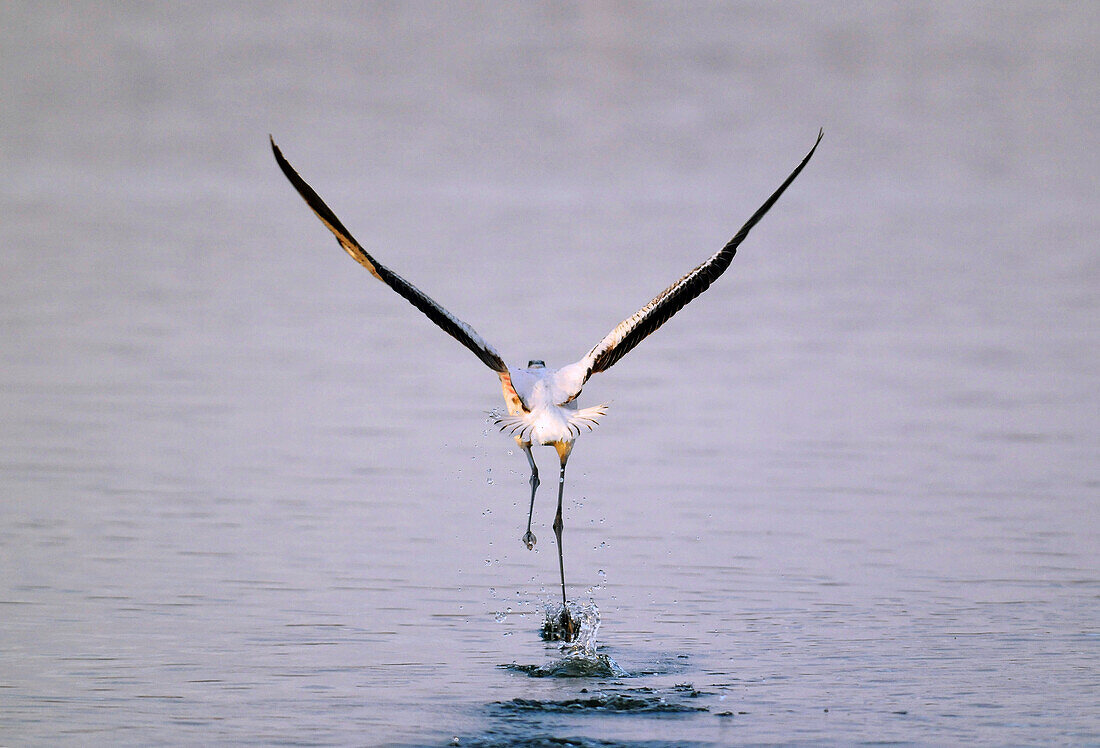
{"x": 604, "y": 689}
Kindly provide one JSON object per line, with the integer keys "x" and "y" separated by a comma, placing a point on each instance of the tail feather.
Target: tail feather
{"x": 522, "y": 425}
{"x": 589, "y": 417}
{"x": 519, "y": 425}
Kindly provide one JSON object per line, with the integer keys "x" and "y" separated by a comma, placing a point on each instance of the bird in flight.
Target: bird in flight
{"x": 542, "y": 402}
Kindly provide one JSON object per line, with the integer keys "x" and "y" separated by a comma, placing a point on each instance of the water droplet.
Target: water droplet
{"x": 487, "y": 511}
{"x": 602, "y": 573}
{"x": 488, "y": 562}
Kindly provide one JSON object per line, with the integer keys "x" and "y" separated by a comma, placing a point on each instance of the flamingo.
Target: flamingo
{"x": 541, "y": 401}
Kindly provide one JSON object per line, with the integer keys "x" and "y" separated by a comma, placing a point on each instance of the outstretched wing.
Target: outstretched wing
{"x": 450, "y": 324}
{"x": 646, "y": 320}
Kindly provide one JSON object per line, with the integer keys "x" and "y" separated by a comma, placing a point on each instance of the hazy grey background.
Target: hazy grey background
{"x": 249, "y": 494}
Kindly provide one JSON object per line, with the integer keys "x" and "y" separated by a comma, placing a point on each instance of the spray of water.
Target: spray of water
{"x": 575, "y": 625}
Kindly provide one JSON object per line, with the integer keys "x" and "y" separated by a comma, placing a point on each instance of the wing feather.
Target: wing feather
{"x": 646, "y": 320}
{"x": 449, "y": 323}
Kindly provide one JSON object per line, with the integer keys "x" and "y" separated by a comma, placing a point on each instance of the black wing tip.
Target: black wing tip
{"x": 279, "y": 158}
{"x": 820, "y": 135}
{"x": 308, "y": 194}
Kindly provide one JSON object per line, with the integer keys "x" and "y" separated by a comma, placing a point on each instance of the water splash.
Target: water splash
{"x": 575, "y": 625}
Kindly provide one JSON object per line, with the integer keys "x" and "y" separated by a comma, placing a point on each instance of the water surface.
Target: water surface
{"x": 250, "y": 495}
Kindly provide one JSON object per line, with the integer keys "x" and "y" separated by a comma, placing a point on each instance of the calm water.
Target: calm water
{"x": 250, "y": 495}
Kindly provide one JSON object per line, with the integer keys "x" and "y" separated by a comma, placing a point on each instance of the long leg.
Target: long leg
{"x": 529, "y": 537}
{"x": 563, "y": 452}
{"x": 557, "y": 531}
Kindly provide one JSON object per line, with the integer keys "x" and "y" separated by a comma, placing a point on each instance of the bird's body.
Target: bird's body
{"x": 541, "y": 402}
